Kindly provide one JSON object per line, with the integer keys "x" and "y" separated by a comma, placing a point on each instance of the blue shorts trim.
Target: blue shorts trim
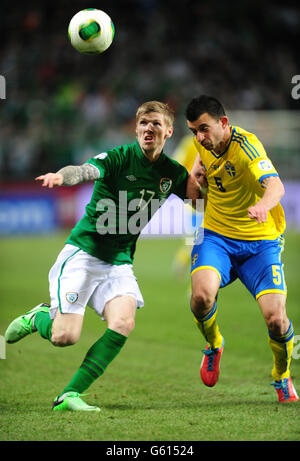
{"x": 257, "y": 263}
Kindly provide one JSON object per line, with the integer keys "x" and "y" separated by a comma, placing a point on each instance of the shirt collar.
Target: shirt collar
{"x": 227, "y": 147}
{"x": 143, "y": 157}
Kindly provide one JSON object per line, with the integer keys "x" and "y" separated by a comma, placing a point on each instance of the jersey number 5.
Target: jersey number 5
{"x": 219, "y": 184}
{"x": 276, "y": 275}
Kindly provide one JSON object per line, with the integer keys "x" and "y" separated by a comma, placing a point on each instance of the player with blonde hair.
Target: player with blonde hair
{"x": 95, "y": 266}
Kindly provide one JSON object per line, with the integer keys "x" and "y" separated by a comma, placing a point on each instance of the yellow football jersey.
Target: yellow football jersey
{"x": 234, "y": 184}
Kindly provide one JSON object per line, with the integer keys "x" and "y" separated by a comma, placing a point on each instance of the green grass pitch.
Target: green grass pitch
{"x": 152, "y": 391}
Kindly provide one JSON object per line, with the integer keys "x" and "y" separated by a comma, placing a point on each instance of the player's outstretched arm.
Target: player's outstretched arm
{"x": 272, "y": 196}
{"x": 50, "y": 180}
{"x": 69, "y": 176}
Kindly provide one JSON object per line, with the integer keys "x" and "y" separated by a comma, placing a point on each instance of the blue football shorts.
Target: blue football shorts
{"x": 257, "y": 263}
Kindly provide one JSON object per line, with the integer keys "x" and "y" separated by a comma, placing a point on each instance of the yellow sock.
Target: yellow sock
{"x": 209, "y": 328}
{"x": 282, "y": 348}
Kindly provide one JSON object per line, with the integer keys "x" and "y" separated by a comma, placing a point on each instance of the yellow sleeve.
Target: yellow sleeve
{"x": 255, "y": 157}
{"x": 262, "y": 168}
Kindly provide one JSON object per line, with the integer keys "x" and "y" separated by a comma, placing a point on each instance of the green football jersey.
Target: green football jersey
{"x": 126, "y": 195}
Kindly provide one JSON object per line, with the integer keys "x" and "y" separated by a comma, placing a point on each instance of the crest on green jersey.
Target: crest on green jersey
{"x": 165, "y": 185}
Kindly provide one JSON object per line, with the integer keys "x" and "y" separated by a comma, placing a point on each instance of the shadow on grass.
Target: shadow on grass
{"x": 264, "y": 405}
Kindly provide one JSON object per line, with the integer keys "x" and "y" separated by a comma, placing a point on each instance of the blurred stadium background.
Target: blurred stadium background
{"x": 62, "y": 107}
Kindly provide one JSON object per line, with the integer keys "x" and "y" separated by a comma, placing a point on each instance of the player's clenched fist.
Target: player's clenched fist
{"x": 50, "y": 180}
{"x": 260, "y": 213}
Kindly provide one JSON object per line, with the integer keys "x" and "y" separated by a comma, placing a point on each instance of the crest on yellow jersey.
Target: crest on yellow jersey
{"x": 230, "y": 169}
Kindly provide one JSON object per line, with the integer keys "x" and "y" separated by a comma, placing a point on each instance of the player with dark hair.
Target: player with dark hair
{"x": 243, "y": 236}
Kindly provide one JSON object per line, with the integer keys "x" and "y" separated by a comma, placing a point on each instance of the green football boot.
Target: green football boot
{"x": 22, "y": 326}
{"x": 71, "y": 401}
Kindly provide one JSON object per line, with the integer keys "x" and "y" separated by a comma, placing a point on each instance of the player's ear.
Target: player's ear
{"x": 169, "y": 132}
{"x": 224, "y": 121}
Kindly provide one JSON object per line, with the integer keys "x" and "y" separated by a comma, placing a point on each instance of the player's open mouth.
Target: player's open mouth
{"x": 148, "y": 138}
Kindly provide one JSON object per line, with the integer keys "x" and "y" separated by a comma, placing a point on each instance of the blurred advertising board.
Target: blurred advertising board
{"x": 291, "y": 204}
{"x": 27, "y": 208}
{"x": 27, "y": 214}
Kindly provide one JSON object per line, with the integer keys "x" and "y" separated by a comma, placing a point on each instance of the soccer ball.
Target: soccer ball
{"x": 91, "y": 31}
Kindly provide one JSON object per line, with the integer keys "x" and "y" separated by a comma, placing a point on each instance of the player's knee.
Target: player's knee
{"x": 201, "y": 302}
{"x": 63, "y": 338}
{"x": 277, "y": 323}
{"x": 124, "y": 326}
{"x": 276, "y": 320}
{"x": 273, "y": 307}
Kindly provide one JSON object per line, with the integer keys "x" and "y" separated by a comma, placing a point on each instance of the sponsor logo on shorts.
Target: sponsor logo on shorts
{"x": 71, "y": 297}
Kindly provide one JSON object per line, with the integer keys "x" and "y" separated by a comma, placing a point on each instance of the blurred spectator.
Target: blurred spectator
{"x": 62, "y": 106}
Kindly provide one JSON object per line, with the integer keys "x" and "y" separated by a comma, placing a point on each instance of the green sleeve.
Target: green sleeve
{"x": 109, "y": 163}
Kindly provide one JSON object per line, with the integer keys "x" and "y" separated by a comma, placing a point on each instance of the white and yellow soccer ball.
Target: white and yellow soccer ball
{"x": 91, "y": 31}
